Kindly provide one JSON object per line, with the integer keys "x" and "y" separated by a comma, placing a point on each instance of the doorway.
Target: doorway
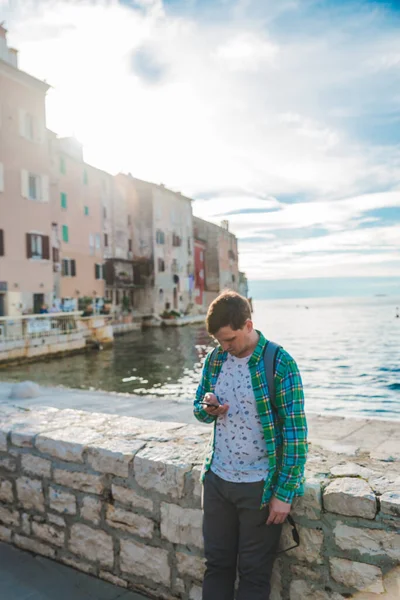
{"x": 38, "y": 301}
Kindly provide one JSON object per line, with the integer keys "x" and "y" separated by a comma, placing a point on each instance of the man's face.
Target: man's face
{"x": 235, "y": 341}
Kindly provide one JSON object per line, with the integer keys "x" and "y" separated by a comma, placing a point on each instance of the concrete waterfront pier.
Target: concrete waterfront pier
{"x": 119, "y": 497}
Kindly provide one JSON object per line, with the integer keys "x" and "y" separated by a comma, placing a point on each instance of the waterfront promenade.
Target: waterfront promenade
{"x": 345, "y": 435}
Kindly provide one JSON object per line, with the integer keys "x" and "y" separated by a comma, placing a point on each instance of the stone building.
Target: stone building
{"x": 221, "y": 257}
{"x": 200, "y": 247}
{"x": 166, "y": 231}
{"x": 26, "y": 276}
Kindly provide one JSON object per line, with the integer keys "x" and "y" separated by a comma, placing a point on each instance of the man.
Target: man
{"x": 255, "y": 463}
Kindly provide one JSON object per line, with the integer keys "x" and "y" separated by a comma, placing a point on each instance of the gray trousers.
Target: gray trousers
{"x": 236, "y": 536}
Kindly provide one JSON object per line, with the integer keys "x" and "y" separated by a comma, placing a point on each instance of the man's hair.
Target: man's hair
{"x": 228, "y": 309}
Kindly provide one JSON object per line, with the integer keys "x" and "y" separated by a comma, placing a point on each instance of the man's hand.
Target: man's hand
{"x": 278, "y": 511}
{"x": 219, "y": 409}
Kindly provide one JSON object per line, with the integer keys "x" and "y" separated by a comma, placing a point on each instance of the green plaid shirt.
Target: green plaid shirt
{"x": 284, "y": 426}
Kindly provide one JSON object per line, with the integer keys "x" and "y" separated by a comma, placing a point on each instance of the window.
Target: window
{"x": 37, "y": 246}
{"x": 105, "y": 240}
{"x": 160, "y": 237}
{"x": 63, "y": 168}
{"x": 91, "y": 243}
{"x": 176, "y": 240}
{"x": 1, "y": 242}
{"x": 98, "y": 241}
{"x": 161, "y": 265}
{"x": 130, "y": 245}
{"x": 85, "y": 177}
{"x": 33, "y": 187}
{"x": 65, "y": 235}
{"x": 63, "y": 200}
{"x": 174, "y": 266}
{"x": 98, "y": 271}
{"x": 86, "y": 211}
{"x": 56, "y": 255}
{"x": 233, "y": 279}
{"x": 68, "y": 267}
{"x": 189, "y": 246}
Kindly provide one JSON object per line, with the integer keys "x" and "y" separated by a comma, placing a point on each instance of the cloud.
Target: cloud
{"x": 281, "y": 116}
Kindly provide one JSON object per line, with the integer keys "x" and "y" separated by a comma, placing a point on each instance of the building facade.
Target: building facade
{"x": 200, "y": 247}
{"x": 221, "y": 257}
{"x": 77, "y": 219}
{"x": 26, "y": 274}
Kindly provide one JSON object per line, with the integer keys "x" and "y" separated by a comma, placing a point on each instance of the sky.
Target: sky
{"x": 282, "y": 117}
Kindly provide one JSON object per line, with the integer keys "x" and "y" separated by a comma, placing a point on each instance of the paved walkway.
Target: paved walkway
{"x": 24, "y": 576}
{"x": 345, "y": 435}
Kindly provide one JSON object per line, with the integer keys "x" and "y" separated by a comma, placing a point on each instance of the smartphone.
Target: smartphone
{"x": 210, "y": 405}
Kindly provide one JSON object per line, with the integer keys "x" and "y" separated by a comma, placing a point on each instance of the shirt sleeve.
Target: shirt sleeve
{"x": 290, "y": 409}
{"x": 204, "y": 387}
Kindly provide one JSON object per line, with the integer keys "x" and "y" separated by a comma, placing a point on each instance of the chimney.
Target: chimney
{"x": 9, "y": 55}
{"x": 225, "y": 225}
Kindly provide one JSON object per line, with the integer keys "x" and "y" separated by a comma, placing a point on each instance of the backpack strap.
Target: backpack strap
{"x": 270, "y": 352}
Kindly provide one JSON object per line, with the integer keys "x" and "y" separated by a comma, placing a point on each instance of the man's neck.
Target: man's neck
{"x": 252, "y": 345}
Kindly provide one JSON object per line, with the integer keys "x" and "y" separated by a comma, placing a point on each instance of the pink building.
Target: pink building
{"x": 26, "y": 274}
{"x": 77, "y": 214}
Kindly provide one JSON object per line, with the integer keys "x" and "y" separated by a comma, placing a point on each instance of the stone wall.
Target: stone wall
{"x": 120, "y": 498}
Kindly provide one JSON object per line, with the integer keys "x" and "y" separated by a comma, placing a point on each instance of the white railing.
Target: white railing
{"x": 28, "y": 327}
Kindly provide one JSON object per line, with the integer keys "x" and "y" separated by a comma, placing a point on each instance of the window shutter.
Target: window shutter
{"x": 64, "y": 267}
{"x": 1, "y": 242}
{"x": 24, "y": 183}
{"x": 95, "y": 271}
{"x": 73, "y": 268}
{"x": 46, "y": 247}
{"x": 28, "y": 246}
{"x": 44, "y": 188}
{"x": 1, "y": 177}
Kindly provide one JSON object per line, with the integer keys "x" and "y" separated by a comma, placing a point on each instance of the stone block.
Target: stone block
{"x": 66, "y": 444}
{"x": 113, "y": 579}
{"x": 195, "y": 593}
{"x": 9, "y": 517}
{"x": 48, "y": 533}
{"x": 85, "y": 482}
{"x": 309, "y": 505}
{"x": 3, "y": 441}
{"x": 92, "y": 544}
{"x": 190, "y": 565}
{"x": 311, "y": 542}
{"x": 34, "y": 546}
{"x": 145, "y": 561}
{"x": 302, "y": 572}
{"x": 362, "y": 577}
{"x": 79, "y": 565}
{"x": 30, "y": 493}
{"x": 62, "y": 502}
{"x": 5, "y": 534}
{"x": 131, "y": 498}
{"x": 197, "y": 485}
{"x": 34, "y": 465}
{"x": 9, "y": 464}
{"x": 370, "y": 542}
{"x": 6, "y": 491}
{"x": 162, "y": 468}
{"x": 26, "y": 523}
{"x": 303, "y": 590}
{"x": 129, "y": 521}
{"x": 182, "y": 525}
{"x": 56, "y": 520}
{"x": 390, "y": 503}
{"x": 179, "y": 586}
{"x": 350, "y": 496}
{"x": 114, "y": 456}
{"x": 351, "y": 469}
{"x": 90, "y": 509}
{"x": 276, "y": 581}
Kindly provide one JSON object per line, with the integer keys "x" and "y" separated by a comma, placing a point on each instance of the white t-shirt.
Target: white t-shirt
{"x": 240, "y": 452}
